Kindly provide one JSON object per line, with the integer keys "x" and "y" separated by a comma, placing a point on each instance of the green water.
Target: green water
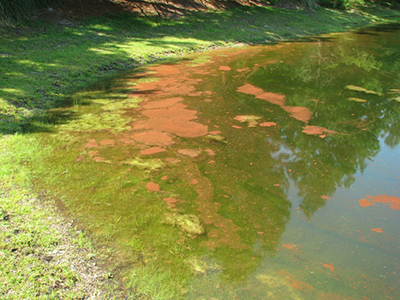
{"x": 262, "y": 172}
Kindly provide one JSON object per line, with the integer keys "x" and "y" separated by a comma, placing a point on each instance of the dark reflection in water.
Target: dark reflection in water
{"x": 267, "y": 172}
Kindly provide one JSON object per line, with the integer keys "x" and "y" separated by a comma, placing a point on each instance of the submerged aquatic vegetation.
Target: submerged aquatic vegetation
{"x": 190, "y": 224}
{"x": 145, "y": 164}
{"x": 110, "y": 119}
{"x": 361, "y": 89}
{"x": 396, "y": 99}
{"x": 252, "y": 121}
{"x": 359, "y": 100}
{"x": 93, "y": 122}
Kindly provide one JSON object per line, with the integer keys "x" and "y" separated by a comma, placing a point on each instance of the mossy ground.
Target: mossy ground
{"x": 43, "y": 63}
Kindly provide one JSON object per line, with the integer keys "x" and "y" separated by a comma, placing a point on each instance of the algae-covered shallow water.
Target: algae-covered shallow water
{"x": 262, "y": 172}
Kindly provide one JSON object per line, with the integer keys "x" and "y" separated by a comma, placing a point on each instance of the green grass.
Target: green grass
{"x": 41, "y": 257}
{"x": 43, "y": 63}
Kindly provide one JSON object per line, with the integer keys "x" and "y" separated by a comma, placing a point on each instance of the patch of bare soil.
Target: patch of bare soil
{"x": 72, "y": 9}
{"x": 97, "y": 281}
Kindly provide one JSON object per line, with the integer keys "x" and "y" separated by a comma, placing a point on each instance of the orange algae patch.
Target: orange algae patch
{"x": 173, "y": 160}
{"x": 93, "y": 153}
{"x": 325, "y": 197}
{"x": 176, "y": 111}
{"x": 365, "y": 203}
{"x": 98, "y": 159}
{"x": 329, "y": 266}
{"x": 195, "y": 94}
{"x": 378, "y": 229}
{"x": 164, "y": 70}
{"x": 107, "y": 142}
{"x": 288, "y": 246}
{"x": 153, "y": 150}
{"x": 300, "y": 113}
{"x": 210, "y": 152}
{"x": 224, "y": 68}
{"x": 163, "y": 108}
{"x": 241, "y": 118}
{"x": 297, "y": 284}
{"x": 267, "y": 124}
{"x": 237, "y": 127}
{"x": 316, "y": 130}
{"x": 153, "y": 138}
{"x": 194, "y": 181}
{"x": 175, "y": 119}
{"x": 273, "y": 98}
{"x": 161, "y": 103}
{"x": 171, "y": 201}
{"x": 91, "y": 144}
{"x": 392, "y": 201}
{"x": 190, "y": 152}
{"x": 242, "y": 70}
{"x": 182, "y": 128}
{"x": 153, "y": 187}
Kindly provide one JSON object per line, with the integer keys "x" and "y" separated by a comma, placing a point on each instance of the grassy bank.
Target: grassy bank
{"x": 42, "y": 63}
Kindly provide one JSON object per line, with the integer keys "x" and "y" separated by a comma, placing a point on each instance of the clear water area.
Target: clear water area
{"x": 264, "y": 172}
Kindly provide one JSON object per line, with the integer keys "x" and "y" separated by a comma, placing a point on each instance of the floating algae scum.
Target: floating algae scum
{"x": 248, "y": 173}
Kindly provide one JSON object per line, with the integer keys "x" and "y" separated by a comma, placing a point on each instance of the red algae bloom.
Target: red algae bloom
{"x": 288, "y": 246}
{"x": 210, "y": 152}
{"x": 171, "y": 201}
{"x": 365, "y": 203}
{"x": 153, "y": 150}
{"x": 267, "y": 124}
{"x": 190, "y": 152}
{"x": 224, "y": 68}
{"x": 107, "y": 142}
{"x": 392, "y": 201}
{"x": 316, "y": 130}
{"x": 173, "y": 160}
{"x": 91, "y": 144}
{"x": 273, "y": 98}
{"x": 329, "y": 266}
{"x": 93, "y": 153}
{"x": 153, "y": 138}
{"x": 153, "y": 187}
{"x": 300, "y": 113}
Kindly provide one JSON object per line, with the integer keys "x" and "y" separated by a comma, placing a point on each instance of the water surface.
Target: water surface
{"x": 263, "y": 172}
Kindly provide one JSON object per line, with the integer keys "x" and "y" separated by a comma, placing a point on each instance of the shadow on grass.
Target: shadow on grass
{"x": 42, "y": 63}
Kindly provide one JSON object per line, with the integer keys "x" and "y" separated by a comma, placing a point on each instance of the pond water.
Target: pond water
{"x": 261, "y": 172}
